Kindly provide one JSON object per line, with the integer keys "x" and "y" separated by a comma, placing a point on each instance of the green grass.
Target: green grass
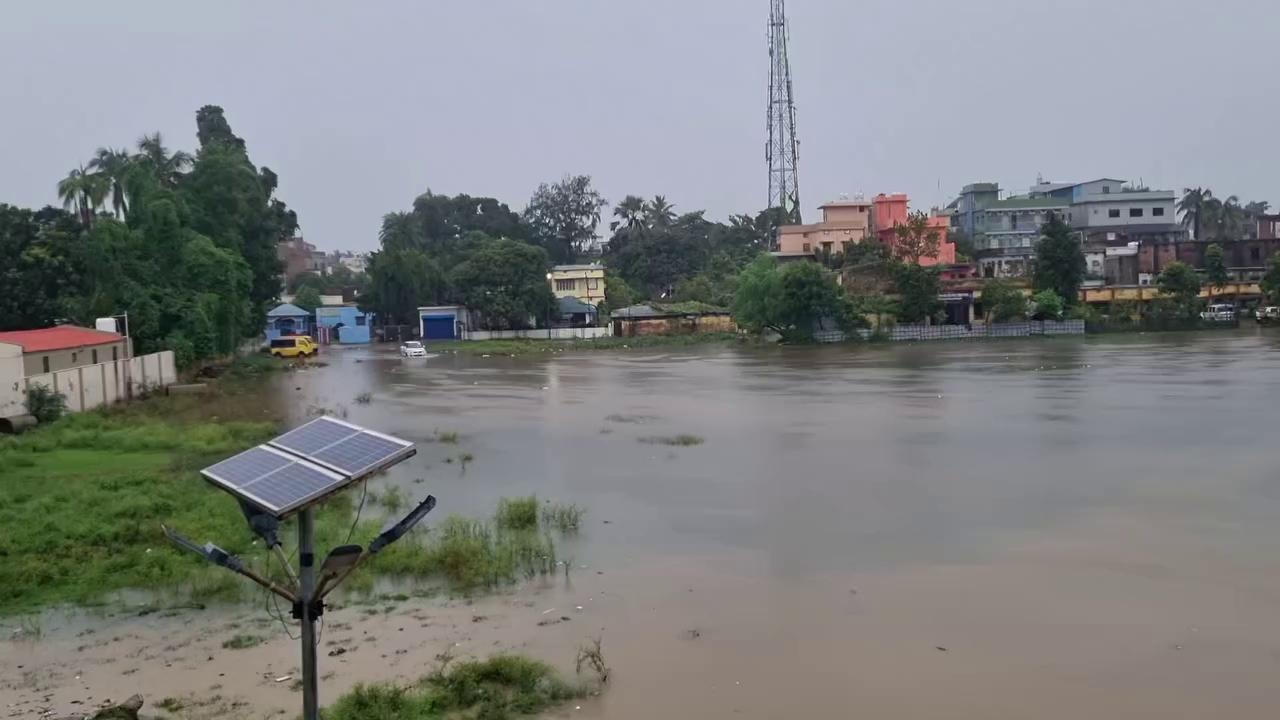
{"x": 449, "y": 437}
{"x": 499, "y": 688}
{"x": 470, "y": 555}
{"x": 526, "y": 347}
{"x": 567, "y": 518}
{"x": 83, "y": 499}
{"x": 517, "y": 513}
{"x": 240, "y": 642}
{"x": 673, "y": 440}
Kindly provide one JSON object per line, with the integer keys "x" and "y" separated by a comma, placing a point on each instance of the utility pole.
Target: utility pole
{"x": 783, "y": 149}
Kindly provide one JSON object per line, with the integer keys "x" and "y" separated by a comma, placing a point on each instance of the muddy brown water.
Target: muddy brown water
{"x": 1049, "y": 528}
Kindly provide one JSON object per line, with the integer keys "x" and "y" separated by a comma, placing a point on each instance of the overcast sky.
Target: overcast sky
{"x": 359, "y": 107}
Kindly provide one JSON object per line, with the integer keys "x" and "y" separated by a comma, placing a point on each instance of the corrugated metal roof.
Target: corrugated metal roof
{"x": 573, "y": 306}
{"x": 63, "y": 337}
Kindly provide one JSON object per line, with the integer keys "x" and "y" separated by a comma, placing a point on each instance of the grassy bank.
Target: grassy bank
{"x": 504, "y": 686}
{"x": 525, "y": 347}
{"x": 82, "y": 501}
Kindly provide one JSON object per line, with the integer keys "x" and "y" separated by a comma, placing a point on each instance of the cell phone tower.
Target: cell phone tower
{"x": 783, "y": 149}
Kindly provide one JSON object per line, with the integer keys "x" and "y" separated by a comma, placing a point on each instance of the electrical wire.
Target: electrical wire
{"x": 274, "y": 602}
{"x": 364, "y": 492}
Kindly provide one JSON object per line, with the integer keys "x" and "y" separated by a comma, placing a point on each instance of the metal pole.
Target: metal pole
{"x": 310, "y": 691}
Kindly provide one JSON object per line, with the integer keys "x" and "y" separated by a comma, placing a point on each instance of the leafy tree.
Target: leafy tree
{"x": 629, "y": 214}
{"x": 37, "y": 266}
{"x": 617, "y": 293}
{"x": 306, "y": 279}
{"x": 308, "y": 298}
{"x": 1059, "y": 263}
{"x": 83, "y": 191}
{"x": 1048, "y": 305}
{"x": 917, "y": 288}
{"x": 1003, "y": 301}
{"x": 1215, "y": 268}
{"x": 658, "y": 212}
{"x": 402, "y": 279}
{"x": 1180, "y": 283}
{"x": 791, "y": 299}
{"x": 966, "y": 250}
{"x": 868, "y": 252}
{"x": 1270, "y": 283}
{"x": 166, "y": 167}
{"x": 915, "y": 239}
{"x": 1192, "y": 208}
{"x": 505, "y": 281}
{"x": 563, "y": 217}
{"x": 114, "y": 167}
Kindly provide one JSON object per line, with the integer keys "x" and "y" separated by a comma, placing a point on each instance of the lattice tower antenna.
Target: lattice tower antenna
{"x": 783, "y": 150}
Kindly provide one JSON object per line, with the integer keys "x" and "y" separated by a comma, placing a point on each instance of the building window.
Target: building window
{"x": 74, "y": 357}
{"x": 593, "y": 284}
{"x": 95, "y": 356}
{"x": 806, "y": 248}
{"x": 1255, "y": 254}
{"x": 1106, "y": 189}
{"x": 361, "y": 321}
{"x": 1013, "y": 221}
{"x": 115, "y": 353}
{"x": 1135, "y": 212}
{"x": 1113, "y": 212}
{"x": 566, "y": 285}
{"x": 44, "y": 361}
{"x": 1157, "y": 212}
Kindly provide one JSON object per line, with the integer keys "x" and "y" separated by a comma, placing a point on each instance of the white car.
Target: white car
{"x": 1219, "y": 313}
{"x": 1268, "y": 314}
{"x": 412, "y": 349}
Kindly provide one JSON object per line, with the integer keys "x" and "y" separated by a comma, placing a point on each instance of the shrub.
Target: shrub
{"x": 518, "y": 513}
{"x": 45, "y": 403}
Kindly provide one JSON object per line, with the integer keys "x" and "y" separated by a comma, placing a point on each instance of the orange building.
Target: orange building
{"x": 844, "y": 221}
{"x": 892, "y": 210}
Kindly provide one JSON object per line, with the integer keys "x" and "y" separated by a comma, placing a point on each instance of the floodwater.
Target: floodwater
{"x": 1048, "y": 528}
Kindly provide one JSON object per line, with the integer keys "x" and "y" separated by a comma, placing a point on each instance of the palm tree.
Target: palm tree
{"x": 658, "y": 212}
{"x": 1230, "y": 217}
{"x": 114, "y": 165}
{"x": 84, "y": 191}
{"x": 1192, "y": 208}
{"x": 630, "y": 213}
{"x": 167, "y": 168}
{"x": 399, "y": 230}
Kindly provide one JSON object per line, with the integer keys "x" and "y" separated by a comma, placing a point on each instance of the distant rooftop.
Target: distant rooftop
{"x": 1027, "y": 203}
{"x": 980, "y": 187}
{"x": 572, "y": 268}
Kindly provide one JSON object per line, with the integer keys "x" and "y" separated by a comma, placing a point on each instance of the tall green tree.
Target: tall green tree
{"x": 1270, "y": 284}
{"x": 563, "y": 217}
{"x": 114, "y": 167}
{"x": 505, "y": 281}
{"x": 792, "y": 300}
{"x": 917, "y": 289}
{"x": 1181, "y": 285}
{"x": 308, "y": 298}
{"x": 84, "y": 191}
{"x": 1215, "y": 268}
{"x": 1192, "y": 209}
{"x": 628, "y": 214}
{"x": 1003, "y": 301}
{"x": 401, "y": 279}
{"x": 914, "y": 239}
{"x": 658, "y": 212}
{"x": 1059, "y": 265}
{"x": 164, "y": 166}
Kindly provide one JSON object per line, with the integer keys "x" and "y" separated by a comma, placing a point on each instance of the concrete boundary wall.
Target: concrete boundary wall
{"x": 901, "y": 333}
{"x": 587, "y": 333}
{"x": 90, "y": 386}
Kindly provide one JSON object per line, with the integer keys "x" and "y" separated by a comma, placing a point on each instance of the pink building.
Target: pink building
{"x": 892, "y": 210}
{"x": 843, "y": 221}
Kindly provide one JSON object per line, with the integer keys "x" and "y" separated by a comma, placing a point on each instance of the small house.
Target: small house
{"x": 288, "y": 319}
{"x": 64, "y": 347}
{"x": 343, "y": 325}
{"x": 576, "y": 314}
{"x": 671, "y": 319}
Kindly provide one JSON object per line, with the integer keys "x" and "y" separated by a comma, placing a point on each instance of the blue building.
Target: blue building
{"x": 288, "y": 319}
{"x": 344, "y": 324}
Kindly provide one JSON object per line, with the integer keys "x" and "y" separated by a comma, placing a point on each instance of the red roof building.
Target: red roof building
{"x": 64, "y": 347}
{"x": 63, "y": 337}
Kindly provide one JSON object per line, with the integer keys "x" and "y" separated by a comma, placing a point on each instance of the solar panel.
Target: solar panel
{"x": 306, "y": 464}
{"x": 343, "y": 447}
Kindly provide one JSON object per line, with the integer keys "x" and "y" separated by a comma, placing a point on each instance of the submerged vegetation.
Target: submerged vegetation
{"x": 84, "y": 498}
{"x": 683, "y": 440}
{"x": 567, "y": 518}
{"x": 503, "y": 686}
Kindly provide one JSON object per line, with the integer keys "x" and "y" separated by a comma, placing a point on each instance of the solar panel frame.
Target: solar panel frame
{"x": 332, "y": 481}
{"x": 281, "y": 478}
